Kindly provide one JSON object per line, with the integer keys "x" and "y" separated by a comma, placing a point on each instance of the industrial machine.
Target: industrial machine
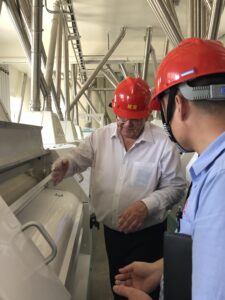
{"x": 45, "y": 239}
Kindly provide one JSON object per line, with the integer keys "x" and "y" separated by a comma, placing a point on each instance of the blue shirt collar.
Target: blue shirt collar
{"x": 208, "y": 156}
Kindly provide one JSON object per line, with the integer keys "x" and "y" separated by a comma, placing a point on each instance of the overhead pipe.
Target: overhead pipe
{"x": 12, "y": 8}
{"x": 82, "y": 107}
{"x": 58, "y": 61}
{"x": 197, "y": 18}
{"x": 166, "y": 20}
{"x": 101, "y": 101}
{"x": 23, "y": 88}
{"x": 87, "y": 98}
{"x": 26, "y": 9}
{"x": 74, "y": 85}
{"x": 66, "y": 74}
{"x": 36, "y": 31}
{"x": 171, "y": 8}
{"x": 103, "y": 89}
{"x": 99, "y": 67}
{"x": 147, "y": 53}
{"x": 204, "y": 24}
{"x": 208, "y": 5}
{"x": 123, "y": 70}
{"x": 217, "y": 8}
{"x": 112, "y": 73}
{"x": 51, "y": 55}
{"x": 109, "y": 78}
{"x": 191, "y": 13}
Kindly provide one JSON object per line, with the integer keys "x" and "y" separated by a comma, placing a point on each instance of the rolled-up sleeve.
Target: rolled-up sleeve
{"x": 81, "y": 157}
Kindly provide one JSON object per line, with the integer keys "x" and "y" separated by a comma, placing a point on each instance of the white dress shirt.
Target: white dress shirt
{"x": 149, "y": 171}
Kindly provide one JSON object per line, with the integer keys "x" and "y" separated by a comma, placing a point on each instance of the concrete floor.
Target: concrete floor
{"x": 99, "y": 276}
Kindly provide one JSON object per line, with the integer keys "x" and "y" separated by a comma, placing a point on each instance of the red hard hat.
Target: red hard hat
{"x": 192, "y": 58}
{"x": 131, "y": 99}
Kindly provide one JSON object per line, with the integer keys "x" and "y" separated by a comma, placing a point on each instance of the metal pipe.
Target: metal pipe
{"x": 215, "y": 19}
{"x": 36, "y": 30}
{"x": 26, "y": 9}
{"x": 208, "y": 5}
{"x": 170, "y": 6}
{"x": 167, "y": 22}
{"x": 74, "y": 85}
{"x": 99, "y": 67}
{"x": 66, "y": 74}
{"x": 203, "y": 20}
{"x": 87, "y": 98}
{"x": 51, "y": 55}
{"x": 191, "y": 13}
{"x": 154, "y": 60}
{"x": 57, "y": 107}
{"x": 109, "y": 78}
{"x": 137, "y": 71}
{"x": 166, "y": 47}
{"x": 23, "y": 88}
{"x": 112, "y": 73}
{"x": 58, "y": 60}
{"x": 82, "y": 107}
{"x": 23, "y": 36}
{"x": 197, "y": 11}
{"x": 103, "y": 89}
{"x": 123, "y": 70}
{"x": 101, "y": 101}
{"x": 147, "y": 53}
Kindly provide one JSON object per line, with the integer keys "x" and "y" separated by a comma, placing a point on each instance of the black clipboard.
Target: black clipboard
{"x": 177, "y": 266}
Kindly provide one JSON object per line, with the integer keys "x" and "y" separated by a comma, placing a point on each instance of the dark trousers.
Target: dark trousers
{"x": 122, "y": 249}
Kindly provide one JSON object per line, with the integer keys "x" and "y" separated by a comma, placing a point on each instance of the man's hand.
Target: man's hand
{"x": 133, "y": 217}
{"x": 59, "y": 170}
{"x": 130, "y": 293}
{"x": 141, "y": 275}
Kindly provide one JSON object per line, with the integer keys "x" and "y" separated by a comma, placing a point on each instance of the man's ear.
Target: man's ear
{"x": 181, "y": 106}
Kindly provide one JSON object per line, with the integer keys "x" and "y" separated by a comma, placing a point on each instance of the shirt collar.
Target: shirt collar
{"x": 208, "y": 155}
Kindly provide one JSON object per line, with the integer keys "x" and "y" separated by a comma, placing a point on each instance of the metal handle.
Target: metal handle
{"x": 46, "y": 236}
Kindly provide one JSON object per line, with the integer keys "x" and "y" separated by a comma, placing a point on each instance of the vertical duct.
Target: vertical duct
{"x": 36, "y": 54}
{"x": 66, "y": 74}
{"x": 4, "y": 93}
{"x": 51, "y": 55}
{"x": 58, "y": 63}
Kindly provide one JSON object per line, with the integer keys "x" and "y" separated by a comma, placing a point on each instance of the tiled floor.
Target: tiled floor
{"x": 99, "y": 277}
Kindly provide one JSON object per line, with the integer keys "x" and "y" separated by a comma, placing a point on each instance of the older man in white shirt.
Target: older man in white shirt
{"x": 136, "y": 178}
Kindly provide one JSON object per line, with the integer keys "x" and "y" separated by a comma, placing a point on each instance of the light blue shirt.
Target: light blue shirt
{"x": 204, "y": 220}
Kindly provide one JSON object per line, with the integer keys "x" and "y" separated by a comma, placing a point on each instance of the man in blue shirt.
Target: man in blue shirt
{"x": 190, "y": 87}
